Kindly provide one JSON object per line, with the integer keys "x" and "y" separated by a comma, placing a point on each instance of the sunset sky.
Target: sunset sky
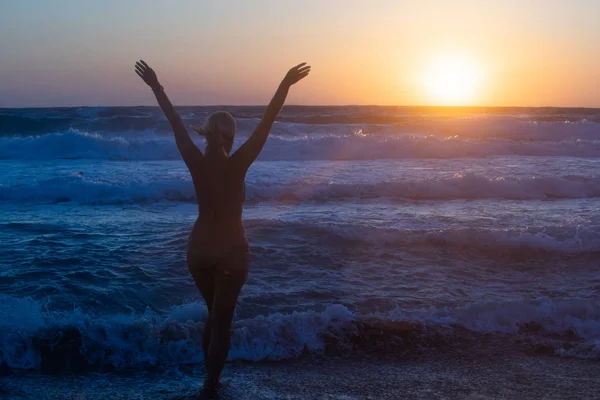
{"x": 492, "y": 53}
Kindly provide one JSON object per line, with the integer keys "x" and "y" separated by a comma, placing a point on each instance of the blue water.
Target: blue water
{"x": 483, "y": 219}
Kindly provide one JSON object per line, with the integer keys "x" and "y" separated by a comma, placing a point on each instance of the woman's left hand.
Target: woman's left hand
{"x": 147, "y": 74}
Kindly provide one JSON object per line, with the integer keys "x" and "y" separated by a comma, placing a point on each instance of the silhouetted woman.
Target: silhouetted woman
{"x": 217, "y": 253}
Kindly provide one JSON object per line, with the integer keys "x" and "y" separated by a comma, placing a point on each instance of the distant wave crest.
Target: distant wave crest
{"x": 86, "y": 189}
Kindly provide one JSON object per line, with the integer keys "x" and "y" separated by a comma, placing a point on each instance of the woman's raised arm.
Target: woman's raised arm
{"x": 190, "y": 153}
{"x": 248, "y": 152}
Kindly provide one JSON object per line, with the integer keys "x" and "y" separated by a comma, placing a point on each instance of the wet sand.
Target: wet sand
{"x": 430, "y": 377}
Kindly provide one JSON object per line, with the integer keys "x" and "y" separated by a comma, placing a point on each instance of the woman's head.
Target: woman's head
{"x": 222, "y": 123}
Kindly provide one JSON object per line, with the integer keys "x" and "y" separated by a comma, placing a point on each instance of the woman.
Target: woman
{"x": 217, "y": 253}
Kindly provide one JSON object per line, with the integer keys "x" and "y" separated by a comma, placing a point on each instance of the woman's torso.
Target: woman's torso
{"x": 220, "y": 192}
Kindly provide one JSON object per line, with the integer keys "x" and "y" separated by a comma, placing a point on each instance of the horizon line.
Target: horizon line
{"x": 313, "y": 105}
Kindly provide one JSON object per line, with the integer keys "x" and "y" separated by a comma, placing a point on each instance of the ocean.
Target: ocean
{"x": 398, "y": 231}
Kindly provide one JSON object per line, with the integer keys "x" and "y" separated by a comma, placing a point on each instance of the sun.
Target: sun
{"x": 452, "y": 80}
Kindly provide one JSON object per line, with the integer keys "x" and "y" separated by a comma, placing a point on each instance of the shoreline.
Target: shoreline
{"x": 430, "y": 376}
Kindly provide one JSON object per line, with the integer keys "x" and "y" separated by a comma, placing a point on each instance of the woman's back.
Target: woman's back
{"x": 220, "y": 192}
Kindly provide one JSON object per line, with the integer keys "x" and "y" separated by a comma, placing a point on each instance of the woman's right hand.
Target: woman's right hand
{"x": 147, "y": 74}
{"x": 296, "y": 74}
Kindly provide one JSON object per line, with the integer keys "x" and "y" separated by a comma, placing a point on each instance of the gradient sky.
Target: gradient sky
{"x": 79, "y": 52}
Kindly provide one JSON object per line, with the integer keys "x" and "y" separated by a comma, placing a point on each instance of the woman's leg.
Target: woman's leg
{"x": 204, "y": 277}
{"x": 230, "y": 277}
